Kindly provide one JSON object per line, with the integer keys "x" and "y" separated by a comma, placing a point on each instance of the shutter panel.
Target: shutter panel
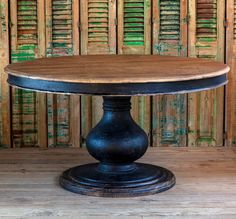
{"x": 169, "y": 38}
{"x": 231, "y": 60}
{"x": 27, "y": 44}
{"x": 61, "y": 40}
{"x": 5, "y": 139}
{"x": 134, "y": 37}
{"x": 98, "y": 36}
{"x": 206, "y": 37}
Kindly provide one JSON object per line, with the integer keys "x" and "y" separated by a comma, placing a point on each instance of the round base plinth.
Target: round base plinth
{"x": 143, "y": 179}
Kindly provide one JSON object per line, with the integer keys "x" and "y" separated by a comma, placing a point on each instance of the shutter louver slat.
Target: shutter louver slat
{"x": 133, "y": 23}
{"x": 206, "y": 31}
{"x": 98, "y": 23}
{"x": 61, "y": 27}
{"x": 169, "y": 20}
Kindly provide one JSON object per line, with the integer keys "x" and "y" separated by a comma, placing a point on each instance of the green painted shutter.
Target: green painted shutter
{"x": 24, "y": 47}
{"x": 98, "y": 36}
{"x": 206, "y": 37}
{"x": 134, "y": 37}
{"x": 60, "y": 42}
{"x": 169, "y": 38}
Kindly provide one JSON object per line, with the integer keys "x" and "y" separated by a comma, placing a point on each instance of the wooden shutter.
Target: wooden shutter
{"x": 231, "y": 60}
{"x": 27, "y": 43}
{"x": 5, "y": 140}
{"x": 134, "y": 37}
{"x": 62, "y": 39}
{"x": 169, "y": 38}
{"x": 98, "y": 36}
{"x": 206, "y": 40}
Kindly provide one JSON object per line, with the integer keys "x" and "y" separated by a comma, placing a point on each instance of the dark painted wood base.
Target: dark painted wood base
{"x": 117, "y": 142}
{"x": 144, "y": 179}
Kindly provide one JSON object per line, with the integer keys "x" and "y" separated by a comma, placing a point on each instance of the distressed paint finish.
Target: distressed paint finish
{"x": 62, "y": 40}
{"x": 230, "y": 58}
{"x": 5, "y": 139}
{"x": 169, "y": 114}
{"x": 26, "y": 44}
{"x": 98, "y": 36}
{"x": 206, "y": 40}
{"x": 134, "y": 37}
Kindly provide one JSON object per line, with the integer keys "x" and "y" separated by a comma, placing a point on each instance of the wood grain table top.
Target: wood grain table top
{"x": 117, "y": 69}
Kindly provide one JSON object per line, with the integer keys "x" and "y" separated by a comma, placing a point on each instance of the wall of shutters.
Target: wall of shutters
{"x": 169, "y": 112}
{"x": 206, "y": 40}
{"x": 161, "y": 27}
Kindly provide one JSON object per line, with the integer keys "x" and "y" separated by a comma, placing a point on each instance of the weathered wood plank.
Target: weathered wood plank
{"x": 5, "y": 127}
{"x": 230, "y": 58}
{"x": 29, "y": 186}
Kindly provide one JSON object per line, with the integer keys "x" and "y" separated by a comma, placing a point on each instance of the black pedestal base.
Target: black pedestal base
{"x": 117, "y": 142}
{"x": 96, "y": 180}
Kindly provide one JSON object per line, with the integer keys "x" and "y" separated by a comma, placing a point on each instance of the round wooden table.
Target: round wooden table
{"x": 117, "y": 141}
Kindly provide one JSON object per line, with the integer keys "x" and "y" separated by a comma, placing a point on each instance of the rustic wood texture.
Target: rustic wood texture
{"x": 206, "y": 40}
{"x": 206, "y": 186}
{"x": 62, "y": 39}
{"x": 169, "y": 112}
{"x": 5, "y": 124}
{"x": 98, "y": 36}
{"x": 26, "y": 44}
{"x": 134, "y": 69}
{"x": 230, "y": 58}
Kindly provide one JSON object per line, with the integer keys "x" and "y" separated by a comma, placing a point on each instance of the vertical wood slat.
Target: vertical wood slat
{"x": 5, "y": 129}
{"x": 231, "y": 61}
{"x": 134, "y": 37}
{"x": 98, "y": 36}
{"x": 27, "y": 42}
{"x": 169, "y": 38}
{"x": 62, "y": 38}
{"x": 206, "y": 40}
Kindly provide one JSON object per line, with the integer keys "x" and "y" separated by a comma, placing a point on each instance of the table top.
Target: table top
{"x": 117, "y": 74}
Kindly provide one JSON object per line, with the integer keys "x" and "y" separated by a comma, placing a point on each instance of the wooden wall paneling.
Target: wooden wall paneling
{"x": 169, "y": 114}
{"x": 206, "y": 40}
{"x": 27, "y": 43}
{"x": 62, "y": 39}
{"x": 98, "y": 36}
{"x": 231, "y": 61}
{"x": 5, "y": 129}
{"x": 134, "y": 37}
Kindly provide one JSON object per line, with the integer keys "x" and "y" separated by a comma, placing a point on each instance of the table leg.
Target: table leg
{"x": 117, "y": 141}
